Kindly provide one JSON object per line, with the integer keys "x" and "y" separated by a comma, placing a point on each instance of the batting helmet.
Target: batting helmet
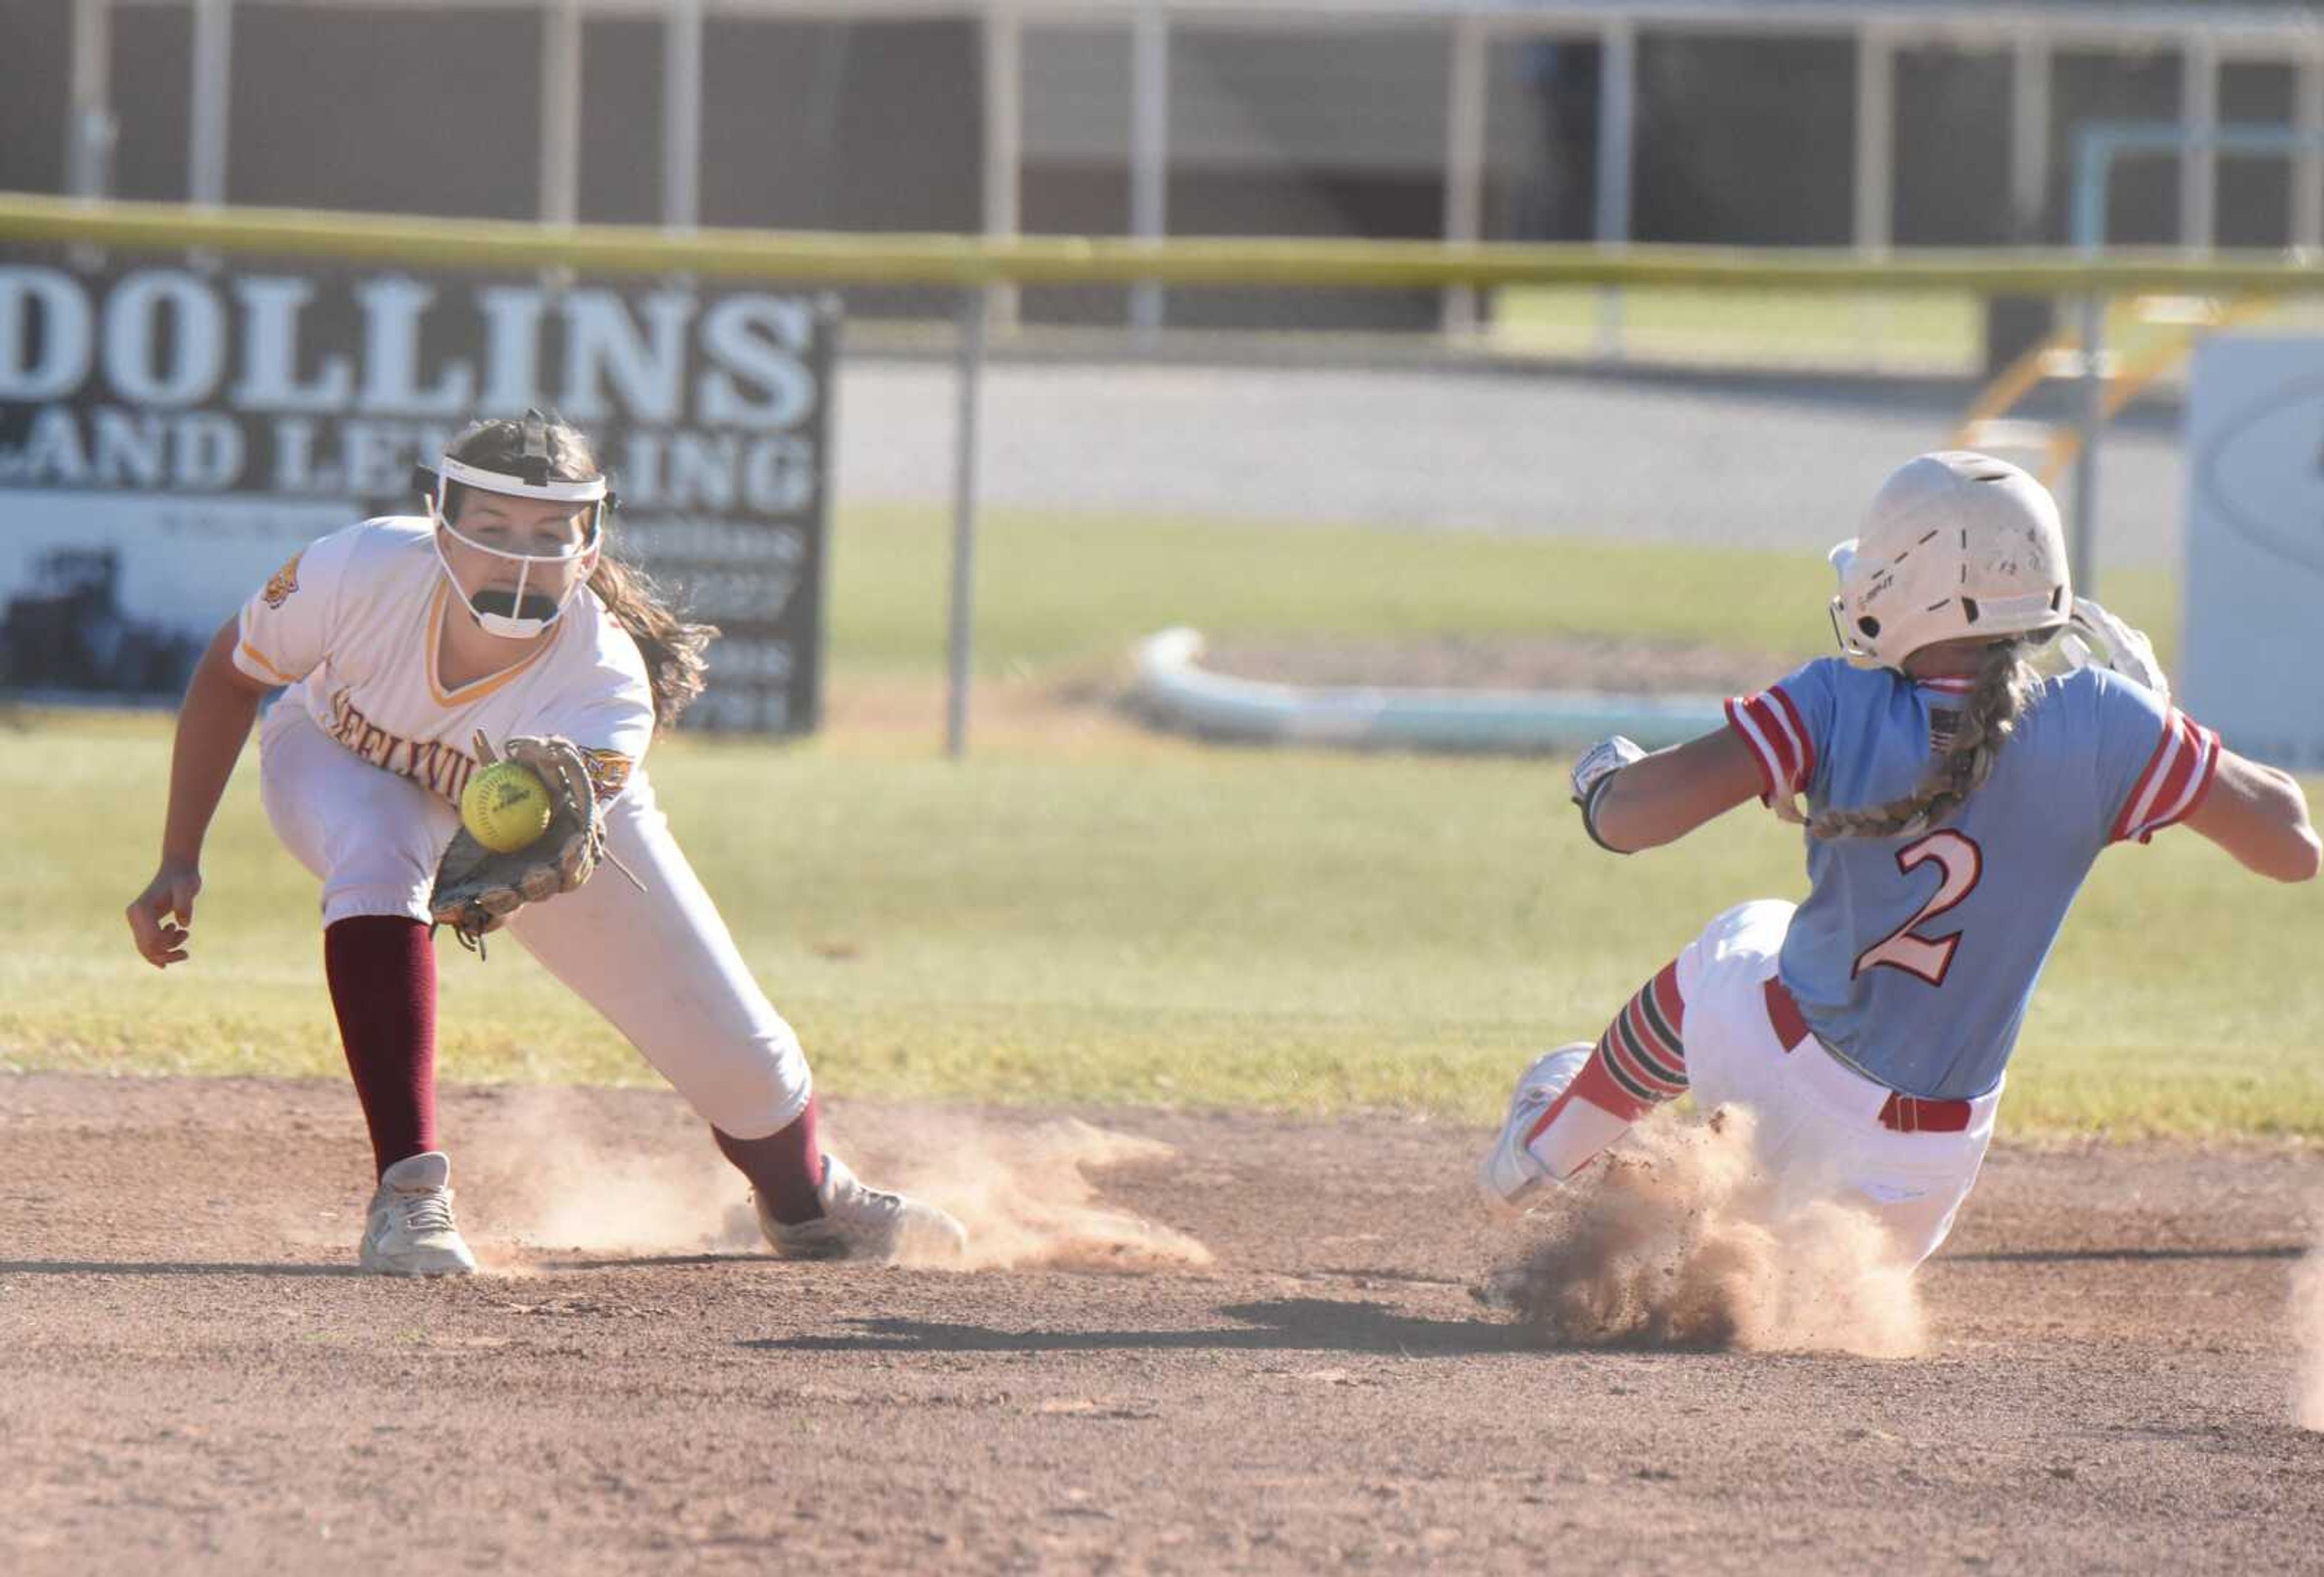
{"x": 1956, "y": 546}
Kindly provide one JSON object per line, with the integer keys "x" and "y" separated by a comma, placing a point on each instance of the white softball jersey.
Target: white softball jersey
{"x": 362, "y": 760}
{"x": 354, "y": 624}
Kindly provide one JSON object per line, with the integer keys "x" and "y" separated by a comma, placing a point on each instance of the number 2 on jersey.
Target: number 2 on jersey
{"x": 1958, "y": 860}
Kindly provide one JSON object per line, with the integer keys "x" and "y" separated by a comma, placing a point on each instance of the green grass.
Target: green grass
{"x": 1083, "y": 913}
{"x": 1058, "y": 592}
{"x": 1928, "y": 331}
{"x": 1937, "y": 331}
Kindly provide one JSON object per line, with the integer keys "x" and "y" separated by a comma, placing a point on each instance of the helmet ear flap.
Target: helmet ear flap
{"x": 1859, "y": 634}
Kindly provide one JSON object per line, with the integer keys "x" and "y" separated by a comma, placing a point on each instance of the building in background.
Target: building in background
{"x": 1300, "y": 120}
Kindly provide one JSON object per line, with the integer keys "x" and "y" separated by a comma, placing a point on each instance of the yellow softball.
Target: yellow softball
{"x": 504, "y": 806}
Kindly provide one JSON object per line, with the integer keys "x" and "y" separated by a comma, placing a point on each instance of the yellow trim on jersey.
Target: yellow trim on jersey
{"x": 276, "y": 674}
{"x": 475, "y": 689}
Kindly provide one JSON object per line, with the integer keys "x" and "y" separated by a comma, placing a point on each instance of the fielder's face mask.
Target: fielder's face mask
{"x": 517, "y": 613}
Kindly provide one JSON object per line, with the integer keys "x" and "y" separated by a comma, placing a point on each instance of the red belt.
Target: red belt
{"x": 1902, "y": 1114}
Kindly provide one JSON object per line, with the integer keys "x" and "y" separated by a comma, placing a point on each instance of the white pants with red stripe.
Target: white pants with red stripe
{"x": 659, "y": 964}
{"x": 1818, "y": 1124}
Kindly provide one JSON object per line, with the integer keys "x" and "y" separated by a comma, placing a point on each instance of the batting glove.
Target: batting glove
{"x": 1592, "y": 773}
{"x": 2096, "y": 638}
{"x": 1600, "y": 761}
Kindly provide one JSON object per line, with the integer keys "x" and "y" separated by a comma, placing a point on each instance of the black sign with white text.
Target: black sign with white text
{"x": 171, "y": 433}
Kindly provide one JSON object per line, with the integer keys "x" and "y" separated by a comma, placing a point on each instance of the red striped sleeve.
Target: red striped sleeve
{"x": 1750, "y": 733}
{"x": 2173, "y": 782}
{"x": 1770, "y": 724}
{"x": 1798, "y": 732}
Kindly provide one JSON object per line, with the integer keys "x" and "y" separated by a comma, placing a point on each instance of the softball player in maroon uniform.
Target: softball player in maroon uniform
{"x": 399, "y": 641}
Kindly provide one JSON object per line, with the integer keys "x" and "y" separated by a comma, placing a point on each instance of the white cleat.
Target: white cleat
{"x": 410, "y": 1230}
{"x": 859, "y": 1223}
{"x": 1507, "y": 1175}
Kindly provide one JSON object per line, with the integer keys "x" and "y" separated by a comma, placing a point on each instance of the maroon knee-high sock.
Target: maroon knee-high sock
{"x": 382, "y": 974}
{"x": 786, "y": 1167}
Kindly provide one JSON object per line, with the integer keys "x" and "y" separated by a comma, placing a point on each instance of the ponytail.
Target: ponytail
{"x": 1969, "y": 742}
{"x": 673, "y": 649}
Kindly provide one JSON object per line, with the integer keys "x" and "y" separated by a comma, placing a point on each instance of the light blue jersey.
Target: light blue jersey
{"x": 1914, "y": 957}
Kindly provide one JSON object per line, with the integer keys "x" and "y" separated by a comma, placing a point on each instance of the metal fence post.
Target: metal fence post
{"x": 970, "y": 371}
{"x": 1464, "y": 160}
{"x": 2096, "y": 162}
{"x": 91, "y": 130}
{"x": 2082, "y": 553}
{"x": 212, "y": 95}
{"x": 1150, "y": 154}
{"x": 2095, "y": 148}
{"x": 1617, "y": 90}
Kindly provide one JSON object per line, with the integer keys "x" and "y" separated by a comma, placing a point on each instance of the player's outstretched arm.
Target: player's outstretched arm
{"x": 221, "y": 703}
{"x": 2258, "y": 815}
{"x": 1659, "y": 798}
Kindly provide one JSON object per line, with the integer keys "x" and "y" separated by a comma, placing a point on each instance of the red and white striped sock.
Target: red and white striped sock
{"x": 1640, "y": 1063}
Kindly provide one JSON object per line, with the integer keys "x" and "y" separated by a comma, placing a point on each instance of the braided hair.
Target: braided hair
{"x": 672, "y": 648}
{"x": 1966, "y": 741}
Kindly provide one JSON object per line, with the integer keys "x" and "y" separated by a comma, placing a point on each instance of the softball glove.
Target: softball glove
{"x": 477, "y": 889}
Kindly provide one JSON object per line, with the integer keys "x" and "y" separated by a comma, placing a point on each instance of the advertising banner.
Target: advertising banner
{"x": 170, "y": 433}
{"x": 2256, "y": 547}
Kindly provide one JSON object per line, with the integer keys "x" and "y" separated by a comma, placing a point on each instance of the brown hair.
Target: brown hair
{"x": 1987, "y": 716}
{"x": 672, "y": 648}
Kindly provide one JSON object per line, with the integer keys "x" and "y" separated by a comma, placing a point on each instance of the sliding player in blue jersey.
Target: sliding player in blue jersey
{"x": 1956, "y": 799}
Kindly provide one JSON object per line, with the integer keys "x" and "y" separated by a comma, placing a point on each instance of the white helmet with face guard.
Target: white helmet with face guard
{"x": 514, "y": 613}
{"x": 1956, "y": 546}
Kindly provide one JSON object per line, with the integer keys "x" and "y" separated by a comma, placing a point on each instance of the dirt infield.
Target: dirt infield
{"x": 1264, "y": 1355}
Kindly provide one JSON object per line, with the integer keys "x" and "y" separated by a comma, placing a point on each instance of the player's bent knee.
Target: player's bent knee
{"x": 750, "y": 1092}
{"x": 348, "y": 903}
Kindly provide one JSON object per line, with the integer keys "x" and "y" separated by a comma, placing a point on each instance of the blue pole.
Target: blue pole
{"x": 2096, "y": 145}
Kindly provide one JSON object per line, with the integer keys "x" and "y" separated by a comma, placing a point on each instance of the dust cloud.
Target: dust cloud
{"x": 1027, "y": 1199}
{"x": 551, "y": 1171}
{"x": 1681, "y": 1241}
{"x": 2308, "y": 1337}
{"x": 548, "y": 1172}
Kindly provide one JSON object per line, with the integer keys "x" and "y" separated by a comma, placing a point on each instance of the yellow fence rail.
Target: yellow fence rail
{"x": 799, "y": 256}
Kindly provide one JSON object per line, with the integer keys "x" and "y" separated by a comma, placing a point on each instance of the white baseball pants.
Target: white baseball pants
{"x": 659, "y": 964}
{"x": 1818, "y": 1121}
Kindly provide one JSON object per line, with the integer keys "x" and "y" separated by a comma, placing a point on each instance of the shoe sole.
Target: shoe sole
{"x": 921, "y": 1241}
{"x": 374, "y": 1266}
{"x": 411, "y": 1275}
{"x": 811, "y": 1254}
